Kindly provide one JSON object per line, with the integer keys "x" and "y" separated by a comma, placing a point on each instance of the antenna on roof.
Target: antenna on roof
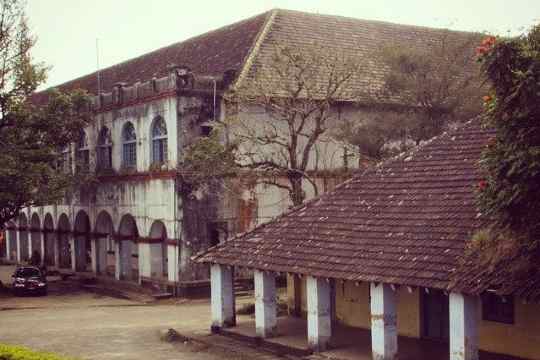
{"x": 97, "y": 64}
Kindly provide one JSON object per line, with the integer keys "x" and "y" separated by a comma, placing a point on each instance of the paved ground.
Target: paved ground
{"x": 90, "y": 326}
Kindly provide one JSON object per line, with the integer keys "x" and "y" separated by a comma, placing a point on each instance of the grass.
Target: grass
{"x": 11, "y": 352}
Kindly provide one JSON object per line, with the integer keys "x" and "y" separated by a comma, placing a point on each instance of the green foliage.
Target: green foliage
{"x": 30, "y": 135}
{"x": 10, "y": 352}
{"x": 207, "y": 160}
{"x": 439, "y": 85}
{"x": 510, "y": 193}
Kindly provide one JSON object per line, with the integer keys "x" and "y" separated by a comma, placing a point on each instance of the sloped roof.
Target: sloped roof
{"x": 211, "y": 53}
{"x": 359, "y": 41}
{"x": 248, "y": 46}
{"x": 405, "y": 222}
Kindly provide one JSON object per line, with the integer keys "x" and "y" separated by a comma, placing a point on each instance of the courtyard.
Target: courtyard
{"x": 74, "y": 322}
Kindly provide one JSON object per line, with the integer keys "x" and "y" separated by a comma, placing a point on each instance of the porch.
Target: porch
{"x": 345, "y": 343}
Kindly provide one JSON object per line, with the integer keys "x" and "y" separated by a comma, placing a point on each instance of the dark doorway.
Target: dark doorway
{"x": 436, "y": 318}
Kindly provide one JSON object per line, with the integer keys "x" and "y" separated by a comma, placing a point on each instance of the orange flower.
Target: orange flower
{"x": 482, "y": 185}
{"x": 486, "y": 98}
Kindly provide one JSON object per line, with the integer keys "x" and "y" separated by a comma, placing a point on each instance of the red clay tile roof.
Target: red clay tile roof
{"x": 211, "y": 53}
{"x": 405, "y": 222}
{"x": 248, "y": 46}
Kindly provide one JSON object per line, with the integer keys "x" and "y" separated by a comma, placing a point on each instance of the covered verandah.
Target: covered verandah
{"x": 321, "y": 333}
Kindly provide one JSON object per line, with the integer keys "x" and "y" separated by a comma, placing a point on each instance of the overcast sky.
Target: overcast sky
{"x": 67, "y": 29}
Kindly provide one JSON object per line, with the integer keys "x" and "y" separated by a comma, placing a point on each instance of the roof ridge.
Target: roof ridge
{"x": 252, "y": 53}
{"x": 130, "y": 60}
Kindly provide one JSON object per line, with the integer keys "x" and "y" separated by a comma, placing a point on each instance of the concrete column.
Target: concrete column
{"x": 42, "y": 246}
{"x": 56, "y": 249}
{"x": 117, "y": 260}
{"x": 172, "y": 262}
{"x": 265, "y": 304}
{"x": 73, "y": 253}
{"x": 145, "y": 260}
{"x": 384, "y": 335}
{"x": 464, "y": 318}
{"x": 8, "y": 240}
{"x": 94, "y": 244}
{"x": 222, "y": 297}
{"x": 19, "y": 251}
{"x": 318, "y": 313}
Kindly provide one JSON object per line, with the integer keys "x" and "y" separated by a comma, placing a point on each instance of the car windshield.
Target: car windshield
{"x": 27, "y": 272}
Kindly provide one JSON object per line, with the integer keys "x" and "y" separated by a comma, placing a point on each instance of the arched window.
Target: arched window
{"x": 129, "y": 146}
{"x": 159, "y": 141}
{"x": 64, "y": 160}
{"x": 104, "y": 149}
{"x": 83, "y": 152}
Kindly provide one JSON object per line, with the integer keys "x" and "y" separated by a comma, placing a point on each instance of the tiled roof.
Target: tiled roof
{"x": 248, "y": 46}
{"x": 360, "y": 41}
{"x": 211, "y": 53}
{"x": 405, "y": 222}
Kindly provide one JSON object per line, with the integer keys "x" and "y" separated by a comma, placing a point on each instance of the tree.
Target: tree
{"x": 437, "y": 85}
{"x": 296, "y": 90}
{"x": 30, "y": 134}
{"x": 509, "y": 196}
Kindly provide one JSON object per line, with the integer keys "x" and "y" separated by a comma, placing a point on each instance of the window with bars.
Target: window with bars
{"x": 64, "y": 160}
{"x": 104, "y": 150}
{"x": 159, "y": 141}
{"x": 83, "y": 153}
{"x": 129, "y": 146}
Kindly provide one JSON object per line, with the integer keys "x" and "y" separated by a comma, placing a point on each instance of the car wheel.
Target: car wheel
{"x": 44, "y": 292}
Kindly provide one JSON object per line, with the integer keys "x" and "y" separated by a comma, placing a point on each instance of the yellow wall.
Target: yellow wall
{"x": 519, "y": 339}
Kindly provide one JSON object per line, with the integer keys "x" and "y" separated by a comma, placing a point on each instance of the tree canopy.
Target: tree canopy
{"x": 31, "y": 135}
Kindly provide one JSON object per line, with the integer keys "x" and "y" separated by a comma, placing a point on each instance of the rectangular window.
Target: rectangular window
{"x": 130, "y": 155}
{"x": 104, "y": 157}
{"x": 159, "y": 151}
{"x": 498, "y": 309}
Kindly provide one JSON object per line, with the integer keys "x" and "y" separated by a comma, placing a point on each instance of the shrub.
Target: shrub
{"x": 11, "y": 352}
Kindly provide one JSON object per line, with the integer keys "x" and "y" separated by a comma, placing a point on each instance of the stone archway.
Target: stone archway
{"x": 64, "y": 245}
{"x": 81, "y": 241}
{"x": 36, "y": 249}
{"x": 104, "y": 245}
{"x": 49, "y": 237}
{"x": 24, "y": 253}
{"x": 129, "y": 252}
{"x": 158, "y": 250}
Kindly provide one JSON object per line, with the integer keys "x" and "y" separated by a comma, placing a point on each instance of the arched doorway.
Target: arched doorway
{"x": 129, "y": 252}
{"x": 158, "y": 250}
{"x": 24, "y": 253}
{"x": 64, "y": 246}
{"x": 12, "y": 243}
{"x": 82, "y": 245}
{"x": 35, "y": 239}
{"x": 104, "y": 243}
{"x": 49, "y": 237}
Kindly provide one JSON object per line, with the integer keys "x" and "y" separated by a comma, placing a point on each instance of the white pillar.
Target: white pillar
{"x": 318, "y": 313}
{"x": 172, "y": 263}
{"x": 265, "y": 304}
{"x": 42, "y": 246}
{"x": 56, "y": 249}
{"x": 94, "y": 244}
{"x": 19, "y": 251}
{"x": 145, "y": 260}
{"x": 384, "y": 336}
{"x": 117, "y": 260}
{"x": 73, "y": 252}
{"x": 464, "y": 318}
{"x": 222, "y": 297}
{"x": 8, "y": 240}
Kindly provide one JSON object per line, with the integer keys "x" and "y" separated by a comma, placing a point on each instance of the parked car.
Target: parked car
{"x": 29, "y": 279}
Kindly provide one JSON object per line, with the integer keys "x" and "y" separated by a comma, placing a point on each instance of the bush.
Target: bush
{"x": 10, "y": 352}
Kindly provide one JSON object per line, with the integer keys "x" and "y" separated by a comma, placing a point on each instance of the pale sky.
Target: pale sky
{"x": 67, "y": 29}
